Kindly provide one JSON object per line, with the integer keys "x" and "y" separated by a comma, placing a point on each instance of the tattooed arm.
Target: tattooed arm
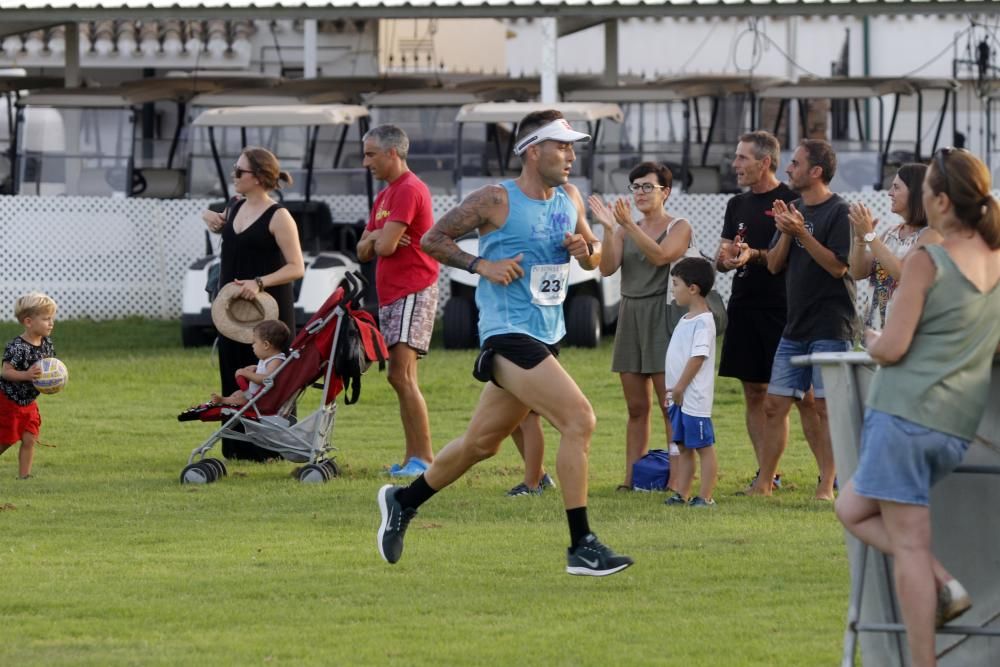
{"x": 484, "y": 209}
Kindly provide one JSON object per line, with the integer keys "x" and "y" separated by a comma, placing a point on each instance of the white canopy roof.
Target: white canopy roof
{"x": 281, "y": 116}
{"x": 21, "y": 15}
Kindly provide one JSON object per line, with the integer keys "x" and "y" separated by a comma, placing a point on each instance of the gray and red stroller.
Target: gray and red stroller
{"x": 336, "y": 346}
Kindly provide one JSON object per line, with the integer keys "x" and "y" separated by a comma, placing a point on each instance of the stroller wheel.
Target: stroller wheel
{"x": 331, "y": 467}
{"x": 313, "y": 474}
{"x": 194, "y": 474}
{"x": 210, "y": 470}
{"x": 219, "y": 466}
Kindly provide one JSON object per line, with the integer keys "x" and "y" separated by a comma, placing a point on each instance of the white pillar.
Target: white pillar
{"x": 71, "y": 72}
{"x": 550, "y": 65}
{"x": 309, "y": 49}
{"x": 792, "y": 72}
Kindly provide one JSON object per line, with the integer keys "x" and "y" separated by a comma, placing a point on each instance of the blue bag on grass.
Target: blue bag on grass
{"x": 651, "y": 472}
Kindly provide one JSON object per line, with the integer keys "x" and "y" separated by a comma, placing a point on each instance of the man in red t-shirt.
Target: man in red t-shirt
{"x": 406, "y": 282}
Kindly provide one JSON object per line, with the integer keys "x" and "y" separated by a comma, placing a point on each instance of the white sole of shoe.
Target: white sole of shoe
{"x": 586, "y": 571}
{"x": 384, "y": 510}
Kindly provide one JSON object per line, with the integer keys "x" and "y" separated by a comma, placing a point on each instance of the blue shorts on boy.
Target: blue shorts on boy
{"x": 689, "y": 431}
{"x": 900, "y": 461}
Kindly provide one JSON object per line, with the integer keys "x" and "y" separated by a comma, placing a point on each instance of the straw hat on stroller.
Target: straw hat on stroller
{"x": 235, "y": 317}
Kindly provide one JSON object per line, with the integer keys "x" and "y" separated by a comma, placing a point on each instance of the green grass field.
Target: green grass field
{"x": 108, "y": 560}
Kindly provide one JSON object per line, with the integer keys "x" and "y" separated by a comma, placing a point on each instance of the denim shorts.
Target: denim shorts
{"x": 795, "y": 381}
{"x": 900, "y": 461}
{"x": 689, "y": 431}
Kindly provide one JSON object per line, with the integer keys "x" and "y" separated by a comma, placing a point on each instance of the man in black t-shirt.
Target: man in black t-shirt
{"x": 756, "y": 311}
{"x": 810, "y": 246}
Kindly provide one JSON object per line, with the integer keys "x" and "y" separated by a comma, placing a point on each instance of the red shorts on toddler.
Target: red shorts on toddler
{"x": 16, "y": 419}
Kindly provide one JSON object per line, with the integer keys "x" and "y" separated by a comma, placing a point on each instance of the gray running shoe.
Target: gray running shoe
{"x": 698, "y": 501}
{"x": 676, "y": 499}
{"x": 546, "y": 482}
{"x": 523, "y": 489}
{"x": 395, "y": 519}
{"x": 593, "y": 559}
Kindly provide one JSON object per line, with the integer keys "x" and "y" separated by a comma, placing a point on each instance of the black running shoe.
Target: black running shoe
{"x": 395, "y": 519}
{"x": 593, "y": 559}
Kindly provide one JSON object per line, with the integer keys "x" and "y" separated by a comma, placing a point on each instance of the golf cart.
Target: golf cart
{"x": 664, "y": 122}
{"x": 76, "y": 141}
{"x": 303, "y": 137}
{"x": 864, "y": 159}
{"x": 12, "y": 82}
{"x": 591, "y": 306}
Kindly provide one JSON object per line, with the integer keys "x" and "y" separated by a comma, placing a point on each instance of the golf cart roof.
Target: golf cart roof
{"x": 989, "y": 89}
{"x": 840, "y": 88}
{"x": 718, "y": 85}
{"x": 672, "y": 89}
{"x": 13, "y": 79}
{"x": 78, "y": 98}
{"x": 183, "y": 86}
{"x": 302, "y": 115}
{"x": 440, "y": 97}
{"x": 512, "y": 112}
{"x": 934, "y": 84}
{"x": 350, "y": 89}
{"x": 248, "y": 97}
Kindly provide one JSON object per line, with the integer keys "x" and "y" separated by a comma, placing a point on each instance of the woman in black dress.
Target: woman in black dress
{"x": 260, "y": 251}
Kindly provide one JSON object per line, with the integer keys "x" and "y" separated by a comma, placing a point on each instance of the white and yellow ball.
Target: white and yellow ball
{"x": 53, "y": 378}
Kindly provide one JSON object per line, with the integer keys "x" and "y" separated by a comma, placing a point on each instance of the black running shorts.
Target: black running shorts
{"x": 520, "y": 349}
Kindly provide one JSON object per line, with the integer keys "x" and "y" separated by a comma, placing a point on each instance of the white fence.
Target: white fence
{"x": 108, "y": 258}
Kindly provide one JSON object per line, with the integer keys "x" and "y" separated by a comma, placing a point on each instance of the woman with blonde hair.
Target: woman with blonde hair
{"x": 260, "y": 253}
{"x": 644, "y": 251}
{"x": 929, "y": 393}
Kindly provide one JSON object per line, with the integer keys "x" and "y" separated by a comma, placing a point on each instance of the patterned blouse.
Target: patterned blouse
{"x": 875, "y": 294}
{"x": 22, "y": 355}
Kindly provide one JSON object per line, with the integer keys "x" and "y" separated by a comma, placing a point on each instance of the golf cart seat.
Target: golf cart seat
{"x": 161, "y": 183}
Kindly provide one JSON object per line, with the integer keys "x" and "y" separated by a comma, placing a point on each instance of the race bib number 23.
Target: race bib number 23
{"x": 549, "y": 284}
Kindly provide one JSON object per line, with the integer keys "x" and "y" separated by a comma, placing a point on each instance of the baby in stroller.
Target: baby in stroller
{"x": 270, "y": 344}
{"x": 330, "y": 353}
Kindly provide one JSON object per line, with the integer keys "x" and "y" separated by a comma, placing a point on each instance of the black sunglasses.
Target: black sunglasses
{"x": 238, "y": 173}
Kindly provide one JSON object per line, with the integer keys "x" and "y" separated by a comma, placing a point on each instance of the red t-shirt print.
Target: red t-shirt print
{"x": 408, "y": 270}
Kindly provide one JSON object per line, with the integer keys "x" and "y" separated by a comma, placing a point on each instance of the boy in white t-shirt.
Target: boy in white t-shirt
{"x": 690, "y": 380}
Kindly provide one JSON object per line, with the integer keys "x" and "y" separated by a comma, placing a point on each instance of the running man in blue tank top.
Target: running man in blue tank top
{"x": 529, "y": 229}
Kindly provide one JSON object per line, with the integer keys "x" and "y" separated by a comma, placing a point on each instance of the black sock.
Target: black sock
{"x": 579, "y": 527}
{"x": 416, "y": 494}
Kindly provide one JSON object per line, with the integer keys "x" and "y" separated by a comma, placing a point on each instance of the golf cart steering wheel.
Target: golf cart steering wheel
{"x": 139, "y": 183}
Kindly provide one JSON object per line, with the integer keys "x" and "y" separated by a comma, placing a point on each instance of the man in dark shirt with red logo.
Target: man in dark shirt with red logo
{"x": 406, "y": 282}
{"x": 757, "y": 306}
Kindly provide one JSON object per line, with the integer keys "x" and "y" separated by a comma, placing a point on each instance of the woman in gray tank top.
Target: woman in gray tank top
{"x": 644, "y": 251}
{"x": 929, "y": 394}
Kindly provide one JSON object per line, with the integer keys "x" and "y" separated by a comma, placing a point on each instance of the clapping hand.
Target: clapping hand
{"x": 602, "y": 212}
{"x": 788, "y": 220}
{"x": 861, "y": 220}
{"x": 623, "y": 212}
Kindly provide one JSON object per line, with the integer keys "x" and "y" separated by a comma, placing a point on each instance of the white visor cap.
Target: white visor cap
{"x": 557, "y": 130}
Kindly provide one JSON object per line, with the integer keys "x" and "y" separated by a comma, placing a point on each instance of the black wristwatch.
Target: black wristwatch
{"x": 471, "y": 268}
{"x": 260, "y": 283}
{"x": 590, "y": 248}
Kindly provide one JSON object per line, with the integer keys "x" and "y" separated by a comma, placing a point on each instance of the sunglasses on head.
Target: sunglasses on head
{"x": 940, "y": 160}
{"x": 645, "y": 188}
{"x": 238, "y": 172}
